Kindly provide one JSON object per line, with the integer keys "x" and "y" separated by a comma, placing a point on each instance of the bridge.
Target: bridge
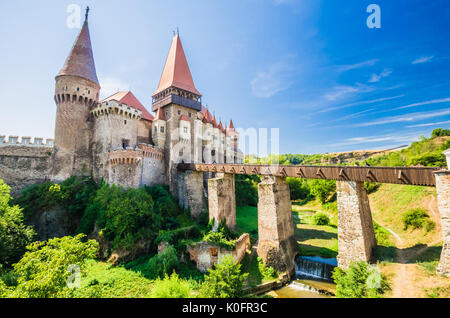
{"x": 276, "y": 243}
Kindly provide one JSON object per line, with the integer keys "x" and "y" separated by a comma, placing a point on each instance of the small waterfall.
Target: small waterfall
{"x": 315, "y": 267}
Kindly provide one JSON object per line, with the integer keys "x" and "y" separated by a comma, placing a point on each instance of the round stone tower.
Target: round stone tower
{"x": 76, "y": 92}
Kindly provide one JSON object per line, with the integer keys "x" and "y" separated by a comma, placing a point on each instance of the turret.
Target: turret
{"x": 76, "y": 91}
{"x": 159, "y": 129}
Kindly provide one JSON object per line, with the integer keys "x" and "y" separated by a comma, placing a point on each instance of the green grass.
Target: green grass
{"x": 104, "y": 281}
{"x": 255, "y": 277}
{"x": 247, "y": 220}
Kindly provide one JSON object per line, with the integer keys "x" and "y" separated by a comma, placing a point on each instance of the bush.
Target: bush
{"x": 14, "y": 234}
{"x": 417, "y": 219}
{"x": 43, "y": 271}
{"x": 164, "y": 263}
{"x": 219, "y": 239}
{"x": 171, "y": 287}
{"x": 439, "y": 132}
{"x": 225, "y": 280}
{"x": 267, "y": 272}
{"x": 320, "y": 218}
{"x": 359, "y": 281}
{"x": 371, "y": 187}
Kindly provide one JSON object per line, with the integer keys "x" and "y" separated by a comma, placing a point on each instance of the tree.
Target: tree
{"x": 322, "y": 189}
{"x": 299, "y": 188}
{"x": 359, "y": 281}
{"x": 171, "y": 287}
{"x": 44, "y": 270}
{"x": 14, "y": 234}
{"x": 224, "y": 281}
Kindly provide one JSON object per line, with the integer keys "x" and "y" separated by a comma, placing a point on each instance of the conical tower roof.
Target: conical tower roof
{"x": 176, "y": 71}
{"x": 80, "y": 61}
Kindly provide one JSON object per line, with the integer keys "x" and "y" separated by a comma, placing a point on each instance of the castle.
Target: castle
{"x": 117, "y": 139}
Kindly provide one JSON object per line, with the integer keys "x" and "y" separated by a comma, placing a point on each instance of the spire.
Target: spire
{"x": 80, "y": 61}
{"x": 176, "y": 71}
{"x": 231, "y": 126}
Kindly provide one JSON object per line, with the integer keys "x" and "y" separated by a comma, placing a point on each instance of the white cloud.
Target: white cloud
{"x": 343, "y": 68}
{"x": 268, "y": 83}
{"x": 430, "y": 124}
{"x": 429, "y": 102}
{"x": 345, "y": 90}
{"x": 423, "y": 59}
{"x": 404, "y": 118}
{"x": 377, "y": 77}
{"x": 111, "y": 85}
{"x": 395, "y": 138}
{"x": 360, "y": 103}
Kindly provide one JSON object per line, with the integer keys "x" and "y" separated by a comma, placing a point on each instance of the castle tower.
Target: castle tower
{"x": 178, "y": 100}
{"x": 76, "y": 91}
{"x": 159, "y": 129}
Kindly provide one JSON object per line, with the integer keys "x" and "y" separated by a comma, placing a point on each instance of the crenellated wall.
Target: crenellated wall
{"x": 24, "y": 165}
{"x": 26, "y": 141}
{"x": 135, "y": 167}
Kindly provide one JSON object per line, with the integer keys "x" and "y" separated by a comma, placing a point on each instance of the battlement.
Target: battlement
{"x": 25, "y": 142}
{"x": 150, "y": 151}
{"x": 113, "y": 107}
{"x": 134, "y": 155}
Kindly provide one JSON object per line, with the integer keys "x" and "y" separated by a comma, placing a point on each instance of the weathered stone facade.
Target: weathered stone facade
{"x": 191, "y": 193}
{"x": 356, "y": 236}
{"x": 443, "y": 196}
{"x": 205, "y": 254}
{"x": 222, "y": 199}
{"x": 21, "y": 166}
{"x": 277, "y": 245}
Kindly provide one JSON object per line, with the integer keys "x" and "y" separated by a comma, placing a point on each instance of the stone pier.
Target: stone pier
{"x": 443, "y": 197}
{"x": 276, "y": 246}
{"x": 356, "y": 236}
{"x": 191, "y": 194}
{"x": 222, "y": 199}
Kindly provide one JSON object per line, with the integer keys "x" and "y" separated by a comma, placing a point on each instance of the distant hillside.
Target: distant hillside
{"x": 425, "y": 152}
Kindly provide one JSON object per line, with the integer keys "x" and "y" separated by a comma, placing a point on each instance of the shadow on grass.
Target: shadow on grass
{"x": 310, "y": 250}
{"x": 311, "y": 234}
{"x": 427, "y": 254}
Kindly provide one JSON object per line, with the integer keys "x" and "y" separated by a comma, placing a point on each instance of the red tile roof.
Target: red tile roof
{"x": 160, "y": 114}
{"x": 80, "y": 61}
{"x": 129, "y": 99}
{"x": 207, "y": 117}
{"x": 214, "y": 122}
{"x": 176, "y": 71}
{"x": 184, "y": 117}
{"x": 231, "y": 124}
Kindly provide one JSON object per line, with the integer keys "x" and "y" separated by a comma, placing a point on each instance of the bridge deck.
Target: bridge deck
{"x": 423, "y": 176}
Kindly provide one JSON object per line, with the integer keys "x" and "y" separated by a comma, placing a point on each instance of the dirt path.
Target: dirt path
{"x": 403, "y": 285}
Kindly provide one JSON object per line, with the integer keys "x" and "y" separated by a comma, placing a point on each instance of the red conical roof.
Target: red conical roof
{"x": 129, "y": 99}
{"x": 207, "y": 117}
{"x": 214, "y": 122}
{"x": 231, "y": 124}
{"x": 80, "y": 61}
{"x": 176, "y": 71}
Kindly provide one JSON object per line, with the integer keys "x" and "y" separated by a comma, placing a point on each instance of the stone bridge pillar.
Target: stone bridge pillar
{"x": 191, "y": 192}
{"x": 443, "y": 197}
{"x": 222, "y": 199}
{"x": 276, "y": 246}
{"x": 356, "y": 236}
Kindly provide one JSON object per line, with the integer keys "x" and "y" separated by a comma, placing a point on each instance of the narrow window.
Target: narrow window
{"x": 162, "y": 129}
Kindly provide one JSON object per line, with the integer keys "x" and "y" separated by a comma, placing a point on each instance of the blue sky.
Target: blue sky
{"x": 309, "y": 67}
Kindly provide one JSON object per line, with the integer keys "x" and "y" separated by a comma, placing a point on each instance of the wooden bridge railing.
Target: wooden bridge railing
{"x": 423, "y": 176}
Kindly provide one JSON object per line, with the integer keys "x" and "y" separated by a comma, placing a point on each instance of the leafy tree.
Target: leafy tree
{"x": 162, "y": 264}
{"x": 299, "y": 188}
{"x": 416, "y": 219}
{"x": 171, "y": 287}
{"x": 439, "y": 132}
{"x": 322, "y": 189}
{"x": 14, "y": 234}
{"x": 359, "y": 281}
{"x": 247, "y": 190}
{"x": 225, "y": 280}
{"x": 44, "y": 269}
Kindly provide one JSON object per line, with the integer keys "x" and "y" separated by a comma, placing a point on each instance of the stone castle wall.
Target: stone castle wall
{"x": 21, "y": 166}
